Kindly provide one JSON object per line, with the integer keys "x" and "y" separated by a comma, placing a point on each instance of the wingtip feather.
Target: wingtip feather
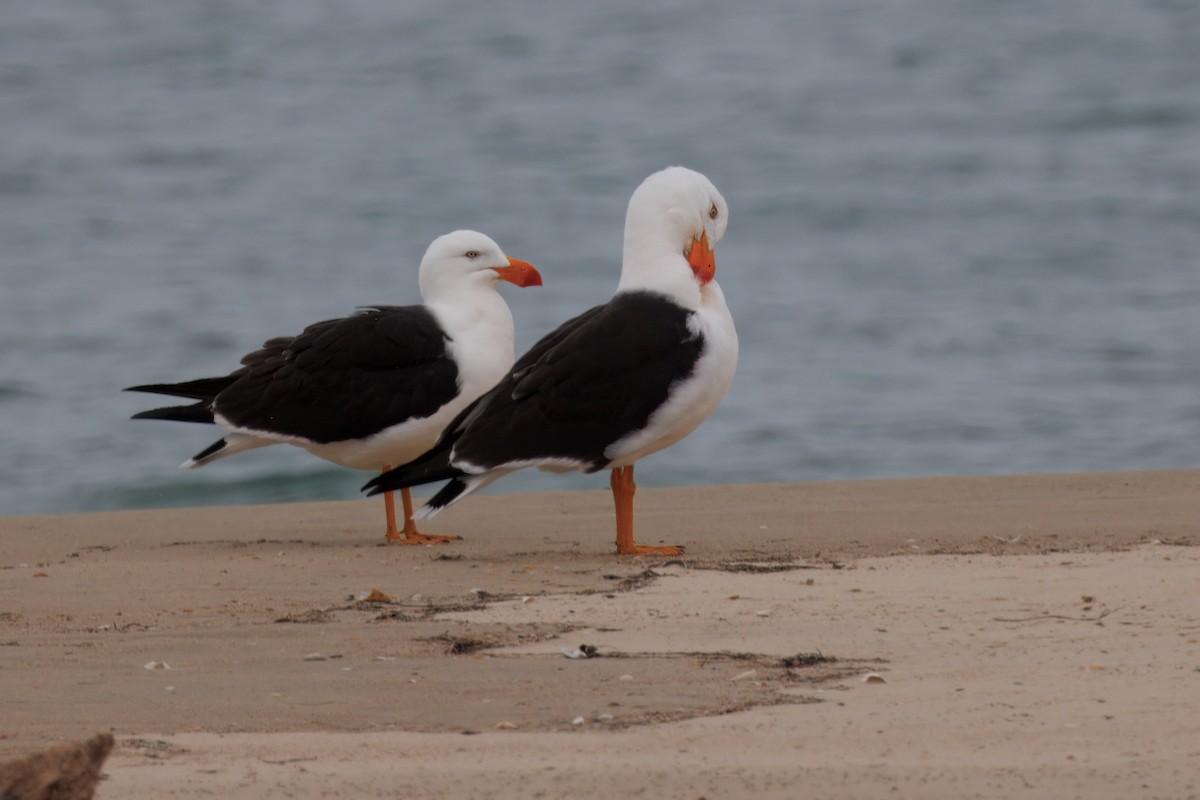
{"x": 426, "y": 512}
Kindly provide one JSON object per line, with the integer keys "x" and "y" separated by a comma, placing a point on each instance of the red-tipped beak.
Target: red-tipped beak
{"x": 702, "y": 259}
{"x": 521, "y": 273}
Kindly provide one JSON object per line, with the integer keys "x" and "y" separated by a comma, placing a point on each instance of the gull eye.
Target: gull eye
{"x": 472, "y": 254}
{"x": 712, "y": 211}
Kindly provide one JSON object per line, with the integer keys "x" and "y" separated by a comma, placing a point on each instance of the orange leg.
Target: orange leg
{"x": 410, "y": 534}
{"x": 623, "y": 489}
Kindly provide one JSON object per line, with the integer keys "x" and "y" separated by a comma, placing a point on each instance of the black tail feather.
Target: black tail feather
{"x": 201, "y": 389}
{"x": 197, "y": 412}
{"x": 431, "y": 467}
{"x": 446, "y": 495}
{"x": 215, "y": 447}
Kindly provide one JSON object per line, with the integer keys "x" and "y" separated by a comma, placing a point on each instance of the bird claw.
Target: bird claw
{"x": 417, "y": 538}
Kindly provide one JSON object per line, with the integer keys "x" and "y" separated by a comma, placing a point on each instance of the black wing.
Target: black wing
{"x": 345, "y": 378}
{"x": 340, "y": 379}
{"x": 594, "y": 380}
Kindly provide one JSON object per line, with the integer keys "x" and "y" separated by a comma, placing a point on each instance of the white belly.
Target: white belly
{"x": 392, "y": 447}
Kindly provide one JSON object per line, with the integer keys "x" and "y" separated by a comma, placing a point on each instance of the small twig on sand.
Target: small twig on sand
{"x": 1096, "y": 618}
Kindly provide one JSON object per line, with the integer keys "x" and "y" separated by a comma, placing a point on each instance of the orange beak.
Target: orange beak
{"x": 521, "y": 273}
{"x": 702, "y": 259}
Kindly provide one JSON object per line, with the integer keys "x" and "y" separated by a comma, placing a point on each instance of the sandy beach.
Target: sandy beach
{"x": 991, "y": 637}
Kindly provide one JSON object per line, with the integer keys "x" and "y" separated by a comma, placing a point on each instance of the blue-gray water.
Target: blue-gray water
{"x": 964, "y": 236}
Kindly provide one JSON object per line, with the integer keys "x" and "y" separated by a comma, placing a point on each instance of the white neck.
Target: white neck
{"x": 652, "y": 263}
{"x": 480, "y": 326}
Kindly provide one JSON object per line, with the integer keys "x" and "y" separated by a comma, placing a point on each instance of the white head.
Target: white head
{"x": 466, "y": 259}
{"x": 674, "y": 221}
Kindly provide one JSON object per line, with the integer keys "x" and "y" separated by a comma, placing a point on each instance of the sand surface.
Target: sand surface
{"x": 1031, "y": 636}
